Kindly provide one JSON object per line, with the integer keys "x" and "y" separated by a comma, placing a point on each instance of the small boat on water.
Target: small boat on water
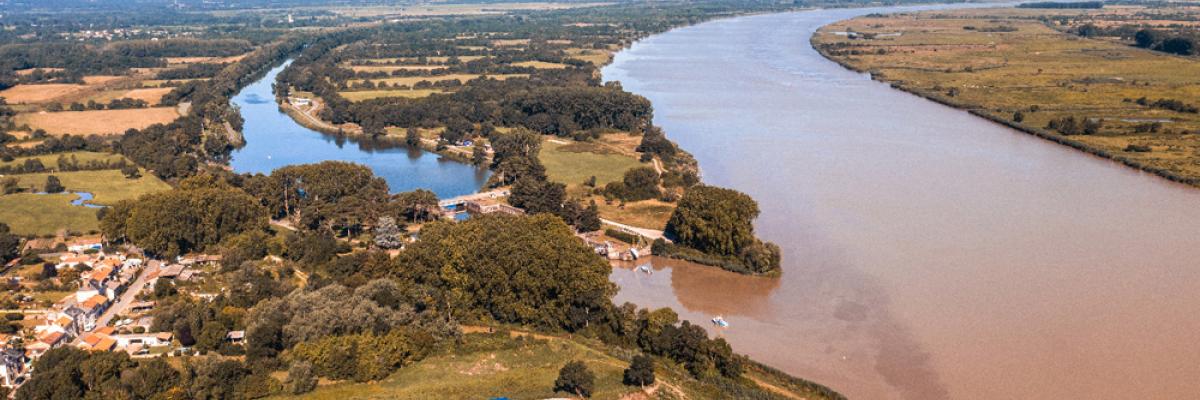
{"x": 720, "y": 321}
{"x": 645, "y": 268}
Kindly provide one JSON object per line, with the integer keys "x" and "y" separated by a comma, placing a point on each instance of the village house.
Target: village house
{"x": 236, "y": 337}
{"x": 97, "y": 342}
{"x": 488, "y": 206}
{"x": 140, "y": 343}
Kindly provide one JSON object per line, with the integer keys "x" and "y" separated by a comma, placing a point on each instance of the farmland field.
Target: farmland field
{"x": 104, "y": 122}
{"x": 412, "y": 80}
{"x": 26, "y": 94}
{"x": 540, "y": 65}
{"x": 150, "y": 95}
{"x": 390, "y": 68}
{"x": 374, "y": 94}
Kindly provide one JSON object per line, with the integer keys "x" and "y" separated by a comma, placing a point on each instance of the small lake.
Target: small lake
{"x": 928, "y": 254}
{"x": 274, "y": 140}
{"x": 84, "y": 199}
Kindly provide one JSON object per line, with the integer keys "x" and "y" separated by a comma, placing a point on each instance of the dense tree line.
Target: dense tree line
{"x": 69, "y": 373}
{"x": 526, "y": 270}
{"x": 171, "y": 151}
{"x": 182, "y": 47}
{"x": 200, "y": 213}
{"x": 1161, "y": 41}
{"x": 191, "y": 71}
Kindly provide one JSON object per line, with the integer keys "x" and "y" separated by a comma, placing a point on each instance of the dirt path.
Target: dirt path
{"x": 776, "y": 389}
{"x": 652, "y": 234}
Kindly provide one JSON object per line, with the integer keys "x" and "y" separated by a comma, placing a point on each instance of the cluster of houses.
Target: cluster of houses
{"x": 108, "y": 287}
{"x": 116, "y": 33}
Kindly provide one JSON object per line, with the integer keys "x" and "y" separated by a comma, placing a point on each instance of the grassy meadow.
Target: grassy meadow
{"x": 574, "y": 162}
{"x": 1001, "y": 62}
{"x": 45, "y": 214}
{"x": 108, "y": 186}
{"x": 517, "y": 366}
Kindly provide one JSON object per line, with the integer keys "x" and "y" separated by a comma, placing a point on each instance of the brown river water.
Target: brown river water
{"x": 928, "y": 254}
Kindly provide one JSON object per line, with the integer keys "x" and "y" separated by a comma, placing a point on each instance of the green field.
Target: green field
{"x": 45, "y": 214}
{"x": 572, "y": 163}
{"x": 51, "y": 160}
{"x": 108, "y": 186}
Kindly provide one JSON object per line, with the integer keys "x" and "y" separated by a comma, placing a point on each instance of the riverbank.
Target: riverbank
{"x": 1017, "y": 72}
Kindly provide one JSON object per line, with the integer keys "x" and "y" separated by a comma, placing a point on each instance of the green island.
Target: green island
{"x": 1114, "y": 81}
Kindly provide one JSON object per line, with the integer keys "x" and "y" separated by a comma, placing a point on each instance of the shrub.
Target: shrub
{"x": 640, "y": 371}
{"x": 575, "y": 378}
{"x": 623, "y": 236}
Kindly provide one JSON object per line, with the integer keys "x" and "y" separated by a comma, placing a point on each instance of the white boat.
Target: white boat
{"x": 719, "y": 321}
{"x": 645, "y": 268}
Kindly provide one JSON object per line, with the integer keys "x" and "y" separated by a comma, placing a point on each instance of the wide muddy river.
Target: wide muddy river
{"x": 928, "y": 253}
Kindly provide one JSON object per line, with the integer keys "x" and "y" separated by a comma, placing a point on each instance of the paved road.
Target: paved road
{"x": 126, "y": 298}
{"x": 649, "y": 233}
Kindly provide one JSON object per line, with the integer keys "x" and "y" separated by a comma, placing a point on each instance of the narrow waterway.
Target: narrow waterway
{"x": 928, "y": 254}
{"x": 274, "y": 140}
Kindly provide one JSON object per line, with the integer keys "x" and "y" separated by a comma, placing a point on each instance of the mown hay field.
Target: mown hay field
{"x": 412, "y": 80}
{"x": 100, "y": 122}
{"x": 540, "y": 65}
{"x": 39, "y": 93}
{"x": 361, "y": 95}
